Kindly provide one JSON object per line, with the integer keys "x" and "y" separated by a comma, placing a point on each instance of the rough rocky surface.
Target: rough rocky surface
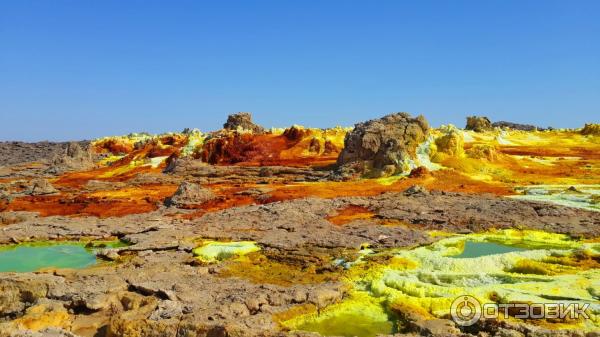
{"x": 12, "y": 153}
{"x": 380, "y": 147}
{"x": 156, "y": 288}
{"x": 303, "y": 222}
{"x": 242, "y": 121}
{"x": 478, "y": 124}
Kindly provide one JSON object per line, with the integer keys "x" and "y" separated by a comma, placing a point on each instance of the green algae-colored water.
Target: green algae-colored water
{"x": 36, "y": 256}
{"x": 477, "y": 249}
{"x": 349, "y": 325}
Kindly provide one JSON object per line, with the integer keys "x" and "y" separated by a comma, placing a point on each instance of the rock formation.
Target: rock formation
{"x": 242, "y": 121}
{"x": 73, "y": 157}
{"x": 40, "y": 187}
{"x": 12, "y": 153}
{"x": 382, "y": 147}
{"x": 189, "y": 194}
{"x": 516, "y": 126}
{"x": 478, "y": 124}
{"x": 591, "y": 129}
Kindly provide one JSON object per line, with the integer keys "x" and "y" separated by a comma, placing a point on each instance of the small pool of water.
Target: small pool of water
{"x": 477, "y": 249}
{"x": 37, "y": 256}
{"x": 213, "y": 251}
{"x": 349, "y": 325}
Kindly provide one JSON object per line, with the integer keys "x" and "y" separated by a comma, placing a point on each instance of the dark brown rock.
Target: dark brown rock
{"x": 243, "y": 121}
{"x": 380, "y": 147}
{"x": 591, "y": 129}
{"x": 418, "y": 172}
{"x": 478, "y": 124}
{"x": 516, "y": 126}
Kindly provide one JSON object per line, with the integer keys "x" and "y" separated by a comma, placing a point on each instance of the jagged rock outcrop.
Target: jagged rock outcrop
{"x": 478, "y": 124}
{"x": 73, "y": 157}
{"x": 516, "y": 126}
{"x": 295, "y": 132}
{"x": 40, "y": 187}
{"x": 382, "y": 147}
{"x": 172, "y": 162}
{"x": 242, "y": 121}
{"x": 591, "y": 129}
{"x": 189, "y": 194}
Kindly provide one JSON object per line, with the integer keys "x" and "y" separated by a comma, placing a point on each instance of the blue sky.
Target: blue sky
{"x": 84, "y": 69}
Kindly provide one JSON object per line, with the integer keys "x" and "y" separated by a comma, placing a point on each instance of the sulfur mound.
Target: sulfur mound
{"x": 483, "y": 151}
{"x": 451, "y": 143}
{"x": 478, "y": 124}
{"x": 188, "y": 194}
{"x": 242, "y": 121}
{"x": 382, "y": 147}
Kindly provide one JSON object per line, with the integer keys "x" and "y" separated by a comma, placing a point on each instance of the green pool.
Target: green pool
{"x": 349, "y": 325}
{"x": 477, "y": 249}
{"x": 35, "y": 256}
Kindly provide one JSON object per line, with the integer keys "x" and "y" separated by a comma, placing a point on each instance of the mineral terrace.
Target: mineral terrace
{"x": 247, "y": 231}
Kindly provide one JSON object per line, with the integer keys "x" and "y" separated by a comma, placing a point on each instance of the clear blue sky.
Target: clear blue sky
{"x": 83, "y": 69}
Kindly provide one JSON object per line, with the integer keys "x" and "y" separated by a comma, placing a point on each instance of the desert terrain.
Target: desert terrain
{"x": 367, "y": 230}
